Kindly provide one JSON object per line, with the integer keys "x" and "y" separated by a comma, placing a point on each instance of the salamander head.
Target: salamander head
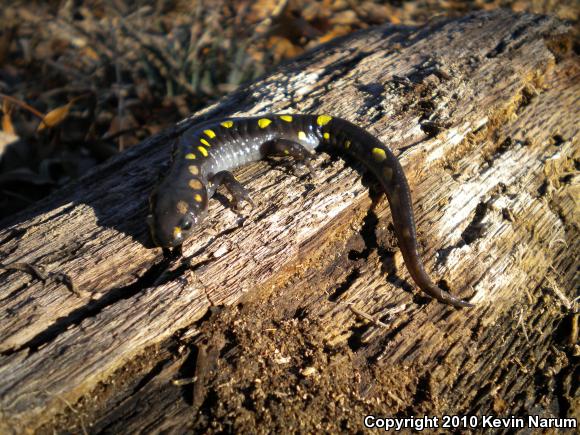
{"x": 175, "y": 211}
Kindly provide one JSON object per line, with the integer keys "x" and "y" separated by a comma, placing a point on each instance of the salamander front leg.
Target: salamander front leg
{"x": 238, "y": 192}
{"x": 288, "y": 148}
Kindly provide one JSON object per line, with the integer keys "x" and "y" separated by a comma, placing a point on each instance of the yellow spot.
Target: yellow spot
{"x": 379, "y": 154}
{"x": 209, "y": 133}
{"x": 301, "y": 135}
{"x": 176, "y": 232}
{"x": 406, "y": 233}
{"x": 203, "y": 151}
{"x": 347, "y": 144}
{"x": 322, "y": 120}
{"x": 388, "y": 173}
{"x": 227, "y": 124}
{"x": 326, "y": 135}
{"x": 195, "y": 184}
{"x": 181, "y": 207}
{"x": 264, "y": 122}
{"x": 197, "y": 197}
{"x": 190, "y": 156}
{"x": 205, "y": 142}
{"x": 286, "y": 152}
{"x": 194, "y": 170}
{"x": 286, "y": 118}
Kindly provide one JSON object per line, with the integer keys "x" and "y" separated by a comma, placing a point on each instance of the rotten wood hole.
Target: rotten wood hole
{"x": 483, "y": 113}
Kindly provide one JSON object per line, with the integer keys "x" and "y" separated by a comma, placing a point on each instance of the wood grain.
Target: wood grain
{"x": 483, "y": 110}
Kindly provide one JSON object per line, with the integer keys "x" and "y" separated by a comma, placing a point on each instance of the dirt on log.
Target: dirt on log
{"x": 303, "y": 317}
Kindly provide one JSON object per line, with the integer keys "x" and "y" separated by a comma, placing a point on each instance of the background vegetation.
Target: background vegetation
{"x": 83, "y": 80}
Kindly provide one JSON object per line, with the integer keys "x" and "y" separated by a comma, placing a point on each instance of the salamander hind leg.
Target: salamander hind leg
{"x": 238, "y": 192}
{"x": 289, "y": 148}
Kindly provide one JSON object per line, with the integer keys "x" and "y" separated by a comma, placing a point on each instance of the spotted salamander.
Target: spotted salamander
{"x": 206, "y": 153}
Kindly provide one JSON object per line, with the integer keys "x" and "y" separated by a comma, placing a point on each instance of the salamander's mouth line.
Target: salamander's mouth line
{"x": 205, "y": 154}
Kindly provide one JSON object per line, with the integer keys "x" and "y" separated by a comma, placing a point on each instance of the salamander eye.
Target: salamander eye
{"x": 186, "y": 225}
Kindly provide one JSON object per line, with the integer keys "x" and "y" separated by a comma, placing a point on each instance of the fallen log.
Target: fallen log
{"x": 482, "y": 112}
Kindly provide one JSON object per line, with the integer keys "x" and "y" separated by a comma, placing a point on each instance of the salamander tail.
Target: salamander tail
{"x": 445, "y": 297}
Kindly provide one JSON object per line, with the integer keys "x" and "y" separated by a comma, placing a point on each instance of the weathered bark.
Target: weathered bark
{"x": 484, "y": 110}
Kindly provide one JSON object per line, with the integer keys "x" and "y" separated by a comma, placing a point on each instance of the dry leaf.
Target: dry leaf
{"x": 312, "y": 11}
{"x": 344, "y": 18}
{"x": 334, "y": 33}
{"x": 283, "y": 48}
{"x": 122, "y": 127}
{"x": 5, "y": 140}
{"x": 56, "y": 116}
{"x": 7, "y": 126}
{"x": 90, "y": 53}
{"x": 262, "y": 9}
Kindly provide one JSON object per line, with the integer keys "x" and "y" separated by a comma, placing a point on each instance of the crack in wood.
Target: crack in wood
{"x": 343, "y": 287}
{"x": 91, "y": 309}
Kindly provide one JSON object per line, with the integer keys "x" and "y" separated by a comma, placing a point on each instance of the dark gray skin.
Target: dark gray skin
{"x": 163, "y": 220}
{"x": 206, "y": 153}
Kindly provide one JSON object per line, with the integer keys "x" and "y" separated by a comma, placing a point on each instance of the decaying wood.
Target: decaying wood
{"x": 483, "y": 111}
